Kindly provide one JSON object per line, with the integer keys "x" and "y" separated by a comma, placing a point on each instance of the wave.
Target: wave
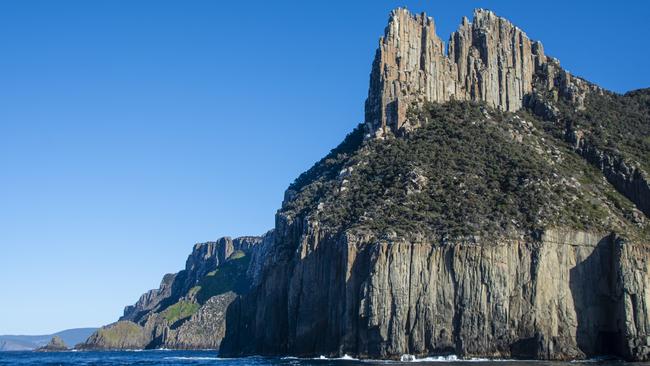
{"x": 196, "y": 358}
{"x": 346, "y": 357}
{"x": 597, "y": 359}
{"x": 448, "y": 358}
{"x": 403, "y": 358}
{"x": 412, "y": 358}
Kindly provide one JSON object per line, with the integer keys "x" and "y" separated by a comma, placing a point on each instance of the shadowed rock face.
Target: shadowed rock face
{"x": 570, "y": 295}
{"x": 188, "y": 310}
{"x": 489, "y": 60}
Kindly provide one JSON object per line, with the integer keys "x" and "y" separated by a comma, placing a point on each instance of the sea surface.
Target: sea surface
{"x": 170, "y": 358}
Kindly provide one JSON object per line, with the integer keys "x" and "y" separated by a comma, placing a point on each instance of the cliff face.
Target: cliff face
{"x": 569, "y": 295}
{"x": 491, "y": 205}
{"x": 488, "y": 60}
{"x": 513, "y": 224}
{"x": 188, "y": 310}
{"x": 477, "y": 234}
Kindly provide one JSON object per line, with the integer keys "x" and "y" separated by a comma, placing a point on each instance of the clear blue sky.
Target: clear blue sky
{"x": 129, "y": 130}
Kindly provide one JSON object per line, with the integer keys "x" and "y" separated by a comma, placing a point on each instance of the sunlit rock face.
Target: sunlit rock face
{"x": 363, "y": 263}
{"x": 489, "y": 60}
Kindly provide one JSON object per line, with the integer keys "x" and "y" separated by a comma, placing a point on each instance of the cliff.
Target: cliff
{"x": 491, "y": 205}
{"x": 489, "y": 60}
{"x": 188, "y": 310}
{"x": 478, "y": 234}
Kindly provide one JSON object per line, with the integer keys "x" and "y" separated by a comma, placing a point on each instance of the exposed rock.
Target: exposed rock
{"x": 399, "y": 249}
{"x": 55, "y": 344}
{"x": 597, "y": 144}
{"x": 150, "y": 299}
{"x": 489, "y": 60}
{"x": 628, "y": 179}
{"x": 205, "y": 329}
{"x": 570, "y": 295}
{"x": 188, "y": 310}
{"x": 336, "y": 282}
{"x": 205, "y": 257}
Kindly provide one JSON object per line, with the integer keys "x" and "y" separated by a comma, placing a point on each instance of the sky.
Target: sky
{"x": 132, "y": 129}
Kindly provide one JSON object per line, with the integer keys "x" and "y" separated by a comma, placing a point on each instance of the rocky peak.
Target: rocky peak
{"x": 488, "y": 59}
{"x": 207, "y": 256}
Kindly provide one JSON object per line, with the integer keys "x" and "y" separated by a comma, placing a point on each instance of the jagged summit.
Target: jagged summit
{"x": 489, "y": 59}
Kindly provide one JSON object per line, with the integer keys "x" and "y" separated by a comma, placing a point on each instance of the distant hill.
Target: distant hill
{"x": 30, "y": 342}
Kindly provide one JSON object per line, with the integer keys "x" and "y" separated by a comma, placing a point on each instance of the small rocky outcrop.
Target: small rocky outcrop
{"x": 56, "y": 344}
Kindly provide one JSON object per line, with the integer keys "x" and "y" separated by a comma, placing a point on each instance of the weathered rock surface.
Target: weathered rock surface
{"x": 559, "y": 292}
{"x": 488, "y": 59}
{"x": 628, "y": 179}
{"x": 340, "y": 274}
{"x": 188, "y": 310}
{"x": 205, "y": 329}
{"x": 55, "y": 344}
{"x": 205, "y": 257}
{"x": 570, "y": 295}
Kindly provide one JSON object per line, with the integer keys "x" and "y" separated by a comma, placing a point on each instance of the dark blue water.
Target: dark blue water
{"x": 170, "y": 358}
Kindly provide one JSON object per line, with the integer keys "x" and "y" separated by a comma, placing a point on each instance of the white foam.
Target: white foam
{"x": 197, "y": 358}
{"x": 449, "y": 358}
{"x": 596, "y": 359}
{"x": 346, "y": 357}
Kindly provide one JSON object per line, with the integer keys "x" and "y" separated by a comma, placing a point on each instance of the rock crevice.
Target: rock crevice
{"x": 488, "y": 60}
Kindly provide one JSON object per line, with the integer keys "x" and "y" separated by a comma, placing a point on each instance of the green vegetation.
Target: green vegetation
{"x": 238, "y": 254}
{"x": 121, "y": 333}
{"x": 464, "y": 173}
{"x": 329, "y": 166}
{"x": 181, "y": 310}
{"x": 616, "y": 124}
{"x": 229, "y": 276}
{"x": 619, "y": 124}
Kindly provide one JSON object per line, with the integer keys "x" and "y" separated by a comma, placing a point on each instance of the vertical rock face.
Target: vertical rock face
{"x": 488, "y": 59}
{"x": 205, "y": 257}
{"x": 410, "y": 65}
{"x": 496, "y": 61}
{"x": 339, "y": 278}
{"x": 188, "y": 310}
{"x": 569, "y": 296}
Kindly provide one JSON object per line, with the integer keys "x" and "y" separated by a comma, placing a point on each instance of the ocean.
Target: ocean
{"x": 171, "y": 358}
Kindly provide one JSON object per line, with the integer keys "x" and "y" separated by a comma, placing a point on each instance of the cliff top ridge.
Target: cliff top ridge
{"x": 488, "y": 59}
